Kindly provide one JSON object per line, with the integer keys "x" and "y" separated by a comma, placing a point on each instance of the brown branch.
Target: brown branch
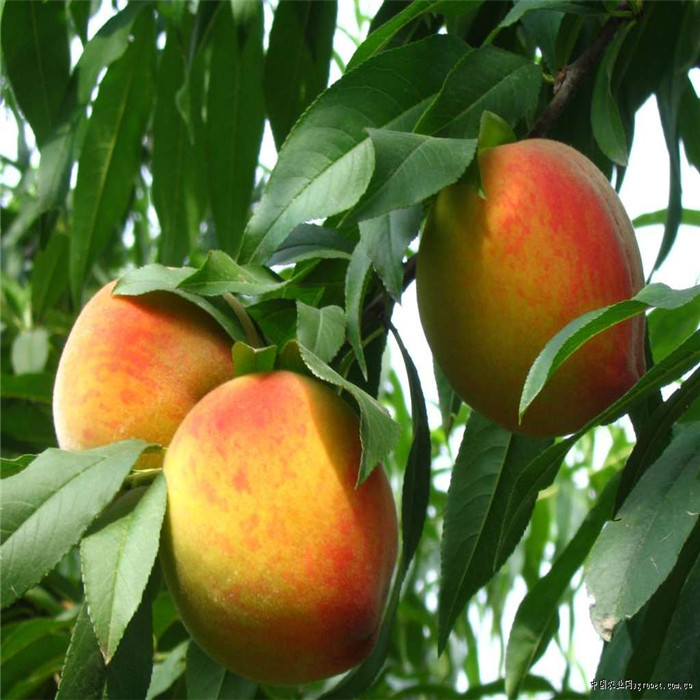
{"x": 570, "y": 77}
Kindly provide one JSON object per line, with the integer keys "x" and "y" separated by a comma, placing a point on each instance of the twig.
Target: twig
{"x": 570, "y": 77}
{"x": 248, "y": 326}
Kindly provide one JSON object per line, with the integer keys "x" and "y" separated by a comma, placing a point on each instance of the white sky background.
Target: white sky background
{"x": 645, "y": 189}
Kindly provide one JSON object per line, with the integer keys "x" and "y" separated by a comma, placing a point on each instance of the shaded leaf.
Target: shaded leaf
{"x": 485, "y": 79}
{"x": 47, "y": 507}
{"x": 606, "y": 121}
{"x": 531, "y": 628}
{"x": 249, "y": 360}
{"x": 481, "y": 528}
{"x": 297, "y": 61}
{"x": 207, "y": 680}
{"x": 356, "y": 281}
{"x": 327, "y": 160}
{"x": 385, "y": 240}
{"x": 310, "y": 241}
{"x": 321, "y": 330}
{"x": 636, "y": 552}
{"x": 168, "y": 671}
{"x": 690, "y": 217}
{"x": 37, "y": 60}
{"x": 84, "y": 671}
{"x": 111, "y": 153}
{"x": 179, "y": 177}
{"x": 379, "y": 433}
{"x": 117, "y": 557}
{"x": 50, "y": 274}
{"x": 34, "y": 387}
{"x": 235, "y": 118}
{"x": 688, "y": 118}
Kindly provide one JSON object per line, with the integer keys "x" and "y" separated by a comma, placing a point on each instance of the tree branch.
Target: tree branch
{"x": 570, "y": 77}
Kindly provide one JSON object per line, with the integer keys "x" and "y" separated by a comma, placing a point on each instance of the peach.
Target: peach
{"x": 498, "y": 277}
{"x": 133, "y": 367}
{"x": 278, "y": 565}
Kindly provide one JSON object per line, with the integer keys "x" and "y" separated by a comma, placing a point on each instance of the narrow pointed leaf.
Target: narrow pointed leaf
{"x": 235, "y": 119}
{"x": 298, "y": 60}
{"x": 402, "y": 165}
{"x": 385, "y": 240}
{"x": 179, "y": 187}
{"x": 414, "y": 504}
{"x": 47, "y": 507}
{"x": 321, "y": 330}
{"x": 576, "y": 333}
{"x": 327, "y": 160}
{"x": 207, "y": 680}
{"x": 379, "y": 433}
{"x": 310, "y": 241}
{"x": 356, "y": 279}
{"x": 112, "y": 151}
{"x": 606, "y": 121}
{"x": 532, "y": 625}
{"x": 485, "y": 79}
{"x": 37, "y": 60}
{"x": 476, "y": 541}
{"x": 117, "y": 558}
{"x": 84, "y": 671}
{"x": 637, "y": 551}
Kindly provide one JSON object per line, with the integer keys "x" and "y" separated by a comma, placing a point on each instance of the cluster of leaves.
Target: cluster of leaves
{"x": 162, "y": 117}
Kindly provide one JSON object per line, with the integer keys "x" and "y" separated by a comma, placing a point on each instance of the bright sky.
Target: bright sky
{"x": 645, "y": 189}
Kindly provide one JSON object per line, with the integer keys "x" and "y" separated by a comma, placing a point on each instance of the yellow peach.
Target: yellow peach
{"x": 133, "y": 367}
{"x": 498, "y": 277}
{"x": 278, "y": 565}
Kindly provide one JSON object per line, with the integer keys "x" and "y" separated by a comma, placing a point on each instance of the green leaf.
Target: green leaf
{"x": 30, "y": 351}
{"x": 179, "y": 175}
{"x": 84, "y": 671}
{"x": 153, "y": 278}
{"x": 688, "y": 118}
{"x": 249, "y": 360}
{"x": 32, "y": 652}
{"x": 297, "y": 61}
{"x": 37, "y": 60}
{"x": 606, "y": 121}
{"x": 382, "y": 36}
{"x": 277, "y": 318}
{"x": 689, "y": 217}
{"x": 220, "y": 274}
{"x": 111, "y": 153}
{"x": 34, "y": 387}
{"x": 356, "y": 280}
{"x": 117, "y": 557}
{"x": 494, "y": 131}
{"x": 636, "y": 551}
{"x": 107, "y": 46}
{"x": 130, "y": 672}
{"x": 47, "y": 507}
{"x": 327, "y": 160}
{"x": 235, "y": 119}
{"x": 414, "y": 504}
{"x": 321, "y": 330}
{"x": 585, "y": 327}
{"x": 309, "y": 241}
{"x": 379, "y": 433}
{"x": 523, "y": 7}
{"x": 485, "y": 79}
{"x": 657, "y": 432}
{"x": 679, "y": 659}
{"x": 531, "y": 628}
{"x": 168, "y": 671}
{"x": 207, "y": 680}
{"x": 408, "y": 169}
{"x": 385, "y": 240}
{"x": 480, "y": 529}
{"x": 50, "y": 274}
{"x": 540, "y": 472}
{"x": 447, "y": 397}
{"x": 668, "y": 328}
{"x": 10, "y": 467}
